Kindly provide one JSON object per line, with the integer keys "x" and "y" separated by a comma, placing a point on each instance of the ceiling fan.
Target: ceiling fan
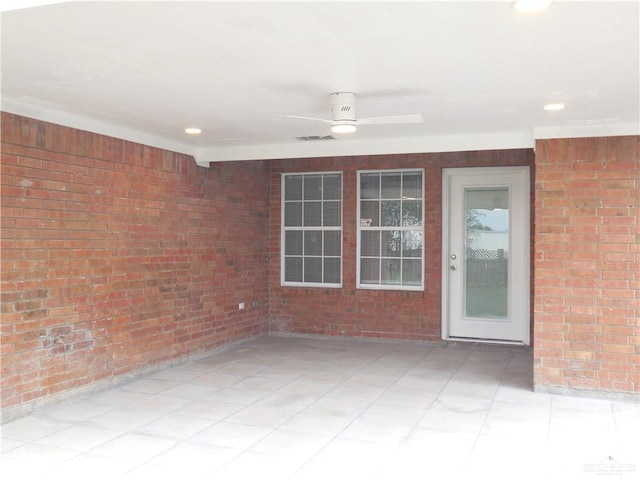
{"x": 344, "y": 119}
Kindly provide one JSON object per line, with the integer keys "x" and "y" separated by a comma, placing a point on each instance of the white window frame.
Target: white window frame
{"x": 360, "y": 228}
{"x": 284, "y": 229}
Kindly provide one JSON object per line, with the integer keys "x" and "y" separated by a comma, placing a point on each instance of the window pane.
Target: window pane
{"x": 370, "y": 185}
{"x": 412, "y": 244}
{"x": 332, "y": 245}
{"x": 331, "y": 187}
{"x": 312, "y": 253}
{"x": 313, "y": 243}
{"x": 331, "y": 270}
{"x": 391, "y": 243}
{"x": 313, "y": 269}
{"x": 391, "y": 183}
{"x": 370, "y": 271}
{"x": 293, "y": 243}
{"x": 411, "y": 213}
{"x": 391, "y": 213}
{"x": 293, "y": 269}
{"x": 312, "y": 214}
{"x": 412, "y": 186}
{"x": 331, "y": 214}
{"x": 312, "y": 187}
{"x": 390, "y": 272}
{"x": 411, "y": 272}
{"x": 369, "y": 213}
{"x": 293, "y": 214}
{"x": 391, "y": 228}
{"x": 293, "y": 187}
{"x": 370, "y": 244}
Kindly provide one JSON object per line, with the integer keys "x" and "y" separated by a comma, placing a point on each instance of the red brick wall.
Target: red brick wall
{"x": 118, "y": 256}
{"x": 587, "y": 264}
{"x": 371, "y": 313}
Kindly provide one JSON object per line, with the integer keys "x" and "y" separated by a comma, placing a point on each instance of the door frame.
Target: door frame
{"x": 525, "y": 309}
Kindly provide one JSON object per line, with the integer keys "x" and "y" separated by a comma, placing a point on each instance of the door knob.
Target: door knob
{"x": 452, "y": 267}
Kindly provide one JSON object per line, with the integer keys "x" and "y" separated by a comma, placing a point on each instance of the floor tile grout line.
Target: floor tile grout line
{"x": 248, "y": 447}
{"x": 337, "y": 435}
{"x": 487, "y": 415}
{"x": 386, "y": 389}
{"x": 555, "y": 407}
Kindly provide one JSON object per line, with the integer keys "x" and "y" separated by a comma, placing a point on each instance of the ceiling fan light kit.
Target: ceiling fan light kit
{"x": 343, "y": 115}
{"x": 345, "y": 126}
{"x": 343, "y": 112}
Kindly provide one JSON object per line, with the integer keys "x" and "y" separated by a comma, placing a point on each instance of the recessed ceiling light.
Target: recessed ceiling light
{"x": 529, "y": 6}
{"x": 554, "y": 107}
{"x": 193, "y": 131}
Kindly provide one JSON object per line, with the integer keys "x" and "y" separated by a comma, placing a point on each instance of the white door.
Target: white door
{"x": 485, "y": 266}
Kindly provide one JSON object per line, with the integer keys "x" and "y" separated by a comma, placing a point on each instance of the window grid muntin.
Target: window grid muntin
{"x": 333, "y": 197}
{"x": 370, "y": 197}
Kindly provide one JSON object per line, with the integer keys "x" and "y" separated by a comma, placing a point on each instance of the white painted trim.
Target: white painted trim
{"x": 351, "y": 146}
{"x": 359, "y": 285}
{"x": 587, "y": 131}
{"x": 447, "y": 175}
{"x": 284, "y": 283}
{"x": 89, "y": 124}
{"x": 355, "y": 147}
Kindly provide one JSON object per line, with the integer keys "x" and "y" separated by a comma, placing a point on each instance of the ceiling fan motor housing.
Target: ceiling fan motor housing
{"x": 343, "y": 106}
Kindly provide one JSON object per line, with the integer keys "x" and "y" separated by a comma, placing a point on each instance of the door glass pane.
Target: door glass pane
{"x": 486, "y": 244}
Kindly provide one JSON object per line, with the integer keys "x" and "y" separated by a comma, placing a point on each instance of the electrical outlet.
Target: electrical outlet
{"x": 241, "y": 306}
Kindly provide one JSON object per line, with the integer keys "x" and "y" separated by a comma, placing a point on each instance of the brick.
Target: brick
{"x": 70, "y": 276}
{"x": 603, "y": 219}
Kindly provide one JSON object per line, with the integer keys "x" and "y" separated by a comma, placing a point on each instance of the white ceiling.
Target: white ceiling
{"x": 478, "y": 72}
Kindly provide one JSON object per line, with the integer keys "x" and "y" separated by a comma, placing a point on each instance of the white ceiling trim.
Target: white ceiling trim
{"x": 599, "y": 130}
{"x": 86, "y": 123}
{"x": 478, "y": 72}
{"x": 383, "y": 146}
{"x": 330, "y": 148}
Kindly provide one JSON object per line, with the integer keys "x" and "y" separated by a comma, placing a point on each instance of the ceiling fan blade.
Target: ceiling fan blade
{"x": 305, "y": 118}
{"x": 393, "y": 119}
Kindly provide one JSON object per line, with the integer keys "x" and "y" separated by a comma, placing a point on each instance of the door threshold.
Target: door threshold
{"x": 489, "y": 341}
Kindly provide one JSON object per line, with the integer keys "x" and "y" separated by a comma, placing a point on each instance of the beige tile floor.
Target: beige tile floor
{"x": 319, "y": 408}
